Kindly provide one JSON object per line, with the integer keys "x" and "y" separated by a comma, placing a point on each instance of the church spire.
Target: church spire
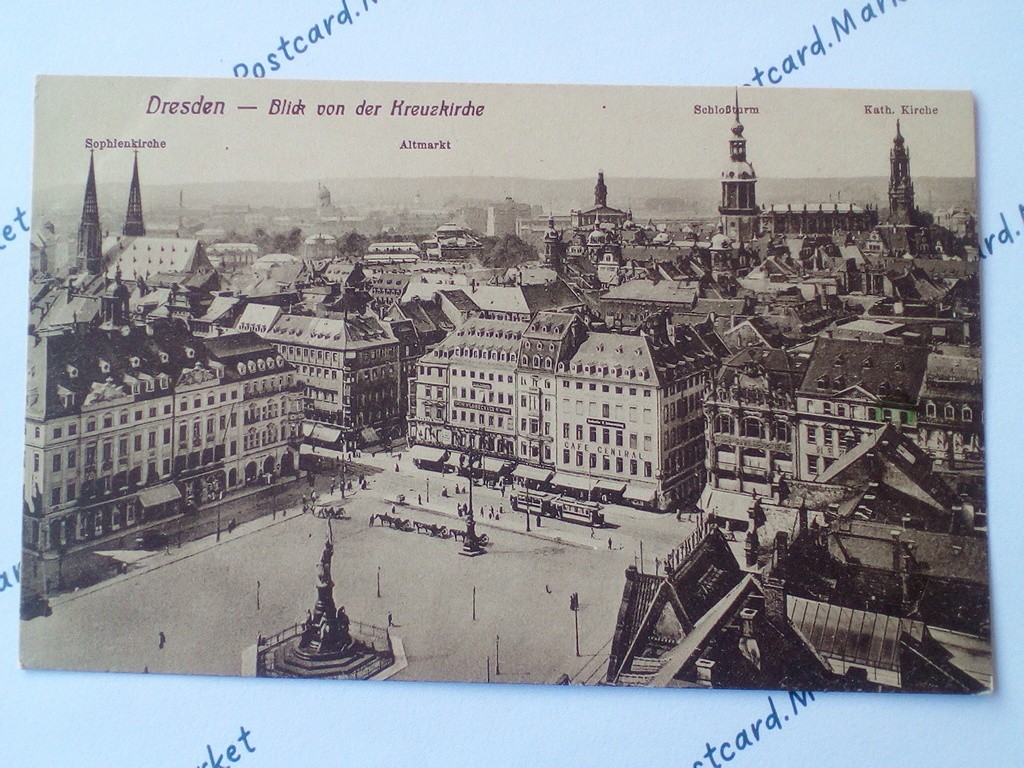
{"x": 901, "y": 188}
{"x": 133, "y": 225}
{"x": 90, "y": 245}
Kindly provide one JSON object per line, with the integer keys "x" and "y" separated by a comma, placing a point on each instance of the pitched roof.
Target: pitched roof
{"x": 142, "y": 257}
{"x": 885, "y": 370}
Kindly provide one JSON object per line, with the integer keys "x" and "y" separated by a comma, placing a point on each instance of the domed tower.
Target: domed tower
{"x": 323, "y": 199}
{"x": 114, "y": 302}
{"x": 739, "y": 209}
{"x": 553, "y": 246}
{"x": 901, "y": 188}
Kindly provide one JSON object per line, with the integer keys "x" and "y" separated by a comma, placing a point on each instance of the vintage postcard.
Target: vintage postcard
{"x": 623, "y": 386}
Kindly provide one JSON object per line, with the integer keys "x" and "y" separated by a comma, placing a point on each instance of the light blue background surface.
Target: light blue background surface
{"x": 78, "y": 719}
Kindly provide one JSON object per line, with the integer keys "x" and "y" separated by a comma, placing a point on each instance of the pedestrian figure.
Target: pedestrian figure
{"x": 497, "y": 516}
{"x": 396, "y": 466}
{"x": 391, "y": 622}
{"x": 419, "y": 499}
{"x": 547, "y": 589}
{"x": 163, "y": 639}
{"x": 273, "y": 514}
{"x": 591, "y": 531}
{"x": 609, "y": 542}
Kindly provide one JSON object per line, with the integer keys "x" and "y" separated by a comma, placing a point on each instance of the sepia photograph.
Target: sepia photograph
{"x": 579, "y": 385}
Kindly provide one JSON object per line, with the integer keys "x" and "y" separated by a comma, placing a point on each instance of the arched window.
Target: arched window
{"x": 781, "y": 431}
{"x": 929, "y": 409}
{"x": 950, "y": 411}
{"x": 966, "y": 414}
{"x": 724, "y": 424}
{"x": 752, "y": 427}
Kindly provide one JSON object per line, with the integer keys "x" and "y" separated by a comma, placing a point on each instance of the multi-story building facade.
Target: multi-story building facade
{"x": 548, "y": 344}
{"x": 129, "y": 426}
{"x": 751, "y": 422}
{"x": 349, "y": 367}
{"x": 851, "y": 388}
{"x": 466, "y": 389}
{"x": 616, "y": 416}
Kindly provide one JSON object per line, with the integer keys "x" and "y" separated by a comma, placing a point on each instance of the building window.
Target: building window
{"x": 618, "y": 464}
{"x": 565, "y": 431}
{"x": 593, "y": 461}
{"x": 579, "y": 458}
{"x": 593, "y": 434}
{"x": 753, "y": 428}
{"x": 648, "y": 469}
{"x": 565, "y": 455}
{"x": 56, "y": 462}
{"x": 929, "y": 410}
{"x": 71, "y": 459}
{"x": 966, "y": 414}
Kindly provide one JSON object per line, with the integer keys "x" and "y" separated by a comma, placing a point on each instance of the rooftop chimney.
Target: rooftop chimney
{"x": 774, "y": 598}
{"x": 705, "y": 671}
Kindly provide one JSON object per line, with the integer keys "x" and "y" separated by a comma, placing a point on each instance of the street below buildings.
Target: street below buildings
{"x": 212, "y": 599}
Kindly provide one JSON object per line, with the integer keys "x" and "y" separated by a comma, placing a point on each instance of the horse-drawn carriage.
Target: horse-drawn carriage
{"x": 430, "y": 529}
{"x": 330, "y": 512}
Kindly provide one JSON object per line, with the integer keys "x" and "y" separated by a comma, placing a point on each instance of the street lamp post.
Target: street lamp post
{"x": 497, "y": 655}
{"x": 471, "y": 546}
{"x": 574, "y": 606}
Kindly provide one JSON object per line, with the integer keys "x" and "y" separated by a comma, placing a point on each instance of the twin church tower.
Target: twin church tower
{"x": 90, "y": 236}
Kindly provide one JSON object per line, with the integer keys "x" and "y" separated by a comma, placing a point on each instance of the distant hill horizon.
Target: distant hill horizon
{"x": 647, "y": 197}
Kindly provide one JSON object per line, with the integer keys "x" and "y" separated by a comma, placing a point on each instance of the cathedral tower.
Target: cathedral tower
{"x": 739, "y": 209}
{"x": 90, "y": 237}
{"x": 901, "y": 188}
{"x": 600, "y": 192}
{"x": 133, "y": 225}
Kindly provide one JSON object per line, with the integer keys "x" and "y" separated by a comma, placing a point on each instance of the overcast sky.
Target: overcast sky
{"x": 533, "y": 131}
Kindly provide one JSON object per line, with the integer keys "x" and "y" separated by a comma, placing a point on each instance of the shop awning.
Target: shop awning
{"x": 369, "y": 435}
{"x": 321, "y": 432}
{"x": 526, "y": 472}
{"x": 645, "y": 493}
{"x": 428, "y": 453}
{"x": 491, "y": 464}
{"x": 612, "y": 486}
{"x": 159, "y": 494}
{"x": 319, "y": 450}
{"x": 575, "y": 482}
{"x": 728, "y": 505}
